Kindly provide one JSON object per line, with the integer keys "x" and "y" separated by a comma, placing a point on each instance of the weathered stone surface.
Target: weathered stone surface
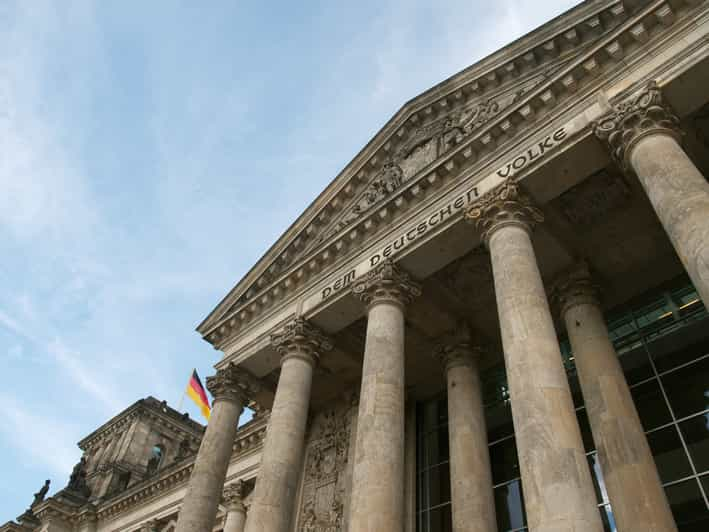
{"x": 644, "y": 135}
{"x": 230, "y": 387}
{"x": 274, "y": 496}
{"x": 378, "y": 475}
{"x": 558, "y": 490}
{"x": 633, "y": 484}
{"x": 472, "y": 499}
{"x": 233, "y": 498}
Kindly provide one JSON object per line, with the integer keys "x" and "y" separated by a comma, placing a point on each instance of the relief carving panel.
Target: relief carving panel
{"x": 325, "y": 478}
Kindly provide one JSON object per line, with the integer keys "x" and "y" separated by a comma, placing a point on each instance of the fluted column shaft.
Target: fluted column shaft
{"x": 632, "y": 482}
{"x": 377, "y": 496}
{"x": 558, "y": 490}
{"x": 231, "y": 388}
{"x": 472, "y": 498}
{"x": 643, "y": 135}
{"x": 273, "y": 500}
{"x": 235, "y": 509}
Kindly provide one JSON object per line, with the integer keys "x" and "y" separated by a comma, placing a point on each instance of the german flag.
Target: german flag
{"x": 198, "y": 394}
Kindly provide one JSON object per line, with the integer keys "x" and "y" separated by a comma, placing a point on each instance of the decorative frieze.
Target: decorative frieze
{"x": 644, "y": 114}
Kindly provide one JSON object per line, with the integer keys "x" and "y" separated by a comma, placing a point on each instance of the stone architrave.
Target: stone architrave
{"x": 300, "y": 346}
{"x": 233, "y": 498}
{"x": 644, "y": 136}
{"x": 377, "y": 496}
{"x": 633, "y": 484}
{"x": 232, "y": 387}
{"x": 558, "y": 490}
{"x": 472, "y": 498}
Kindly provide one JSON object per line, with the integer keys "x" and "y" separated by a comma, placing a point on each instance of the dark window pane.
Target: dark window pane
{"x": 435, "y": 446}
{"x": 509, "y": 506}
{"x": 585, "y": 430}
{"x": 635, "y": 362}
{"x": 696, "y": 436}
{"x": 688, "y": 507}
{"x": 440, "y": 519}
{"x": 608, "y": 519}
{"x": 688, "y": 388}
{"x": 651, "y": 405}
{"x": 499, "y": 421}
{"x": 503, "y": 458}
{"x": 438, "y": 485}
{"x": 575, "y": 390}
{"x": 598, "y": 483}
{"x": 670, "y": 458}
{"x": 681, "y": 346}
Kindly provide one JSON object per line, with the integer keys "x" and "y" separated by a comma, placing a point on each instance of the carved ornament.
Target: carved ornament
{"x": 457, "y": 347}
{"x": 631, "y": 120}
{"x": 302, "y": 339}
{"x": 503, "y": 206}
{"x": 233, "y": 496}
{"x": 233, "y": 383}
{"x": 575, "y": 287}
{"x": 387, "y": 283}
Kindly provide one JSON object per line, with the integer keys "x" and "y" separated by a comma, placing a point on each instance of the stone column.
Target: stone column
{"x": 644, "y": 136}
{"x": 233, "y": 498}
{"x": 300, "y": 346}
{"x": 558, "y": 491}
{"x": 633, "y": 484}
{"x": 231, "y": 388}
{"x": 377, "y": 497}
{"x": 472, "y": 499}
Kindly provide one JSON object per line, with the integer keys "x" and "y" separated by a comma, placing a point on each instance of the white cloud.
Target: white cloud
{"x": 47, "y": 441}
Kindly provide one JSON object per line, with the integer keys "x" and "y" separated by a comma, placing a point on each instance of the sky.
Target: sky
{"x": 150, "y": 153}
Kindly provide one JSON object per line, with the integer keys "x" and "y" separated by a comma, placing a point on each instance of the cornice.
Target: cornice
{"x": 606, "y": 53}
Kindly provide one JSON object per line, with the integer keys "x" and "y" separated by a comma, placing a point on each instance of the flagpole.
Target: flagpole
{"x": 182, "y": 400}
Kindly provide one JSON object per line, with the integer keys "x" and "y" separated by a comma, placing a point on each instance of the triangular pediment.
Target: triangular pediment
{"x": 431, "y": 129}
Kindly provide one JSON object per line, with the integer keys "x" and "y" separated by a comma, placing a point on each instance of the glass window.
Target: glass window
{"x": 651, "y": 405}
{"x": 686, "y": 344}
{"x": 636, "y": 364}
{"x": 585, "y": 427}
{"x": 598, "y": 482}
{"x": 437, "y": 520}
{"x": 670, "y": 458}
{"x": 688, "y": 388}
{"x": 608, "y": 519}
{"x": 499, "y": 421}
{"x": 438, "y": 481}
{"x": 509, "y": 507}
{"x": 696, "y": 435}
{"x": 688, "y": 506}
{"x": 504, "y": 462}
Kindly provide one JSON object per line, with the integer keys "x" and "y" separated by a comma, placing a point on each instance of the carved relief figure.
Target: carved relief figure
{"x": 41, "y": 494}
{"x": 324, "y": 482}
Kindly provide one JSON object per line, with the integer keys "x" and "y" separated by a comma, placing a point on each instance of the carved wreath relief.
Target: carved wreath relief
{"x": 324, "y": 483}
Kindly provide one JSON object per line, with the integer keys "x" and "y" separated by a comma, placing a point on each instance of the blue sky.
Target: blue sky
{"x": 150, "y": 152}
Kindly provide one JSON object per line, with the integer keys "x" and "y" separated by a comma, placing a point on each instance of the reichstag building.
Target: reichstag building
{"x": 491, "y": 320}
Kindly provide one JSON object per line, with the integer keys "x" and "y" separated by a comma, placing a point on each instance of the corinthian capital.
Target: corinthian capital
{"x": 504, "y": 205}
{"x": 457, "y": 347}
{"x": 575, "y": 287}
{"x": 387, "y": 283}
{"x": 641, "y": 115}
{"x": 300, "y": 338}
{"x": 233, "y": 383}
{"x": 233, "y": 496}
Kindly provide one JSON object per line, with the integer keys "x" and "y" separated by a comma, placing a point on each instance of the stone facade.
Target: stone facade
{"x": 583, "y": 142}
